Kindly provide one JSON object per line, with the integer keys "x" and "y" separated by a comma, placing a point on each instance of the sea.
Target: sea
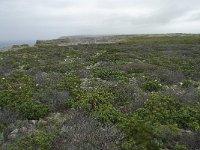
{"x": 7, "y": 44}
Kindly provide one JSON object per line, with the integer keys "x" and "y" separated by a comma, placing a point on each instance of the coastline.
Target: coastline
{"x": 9, "y": 44}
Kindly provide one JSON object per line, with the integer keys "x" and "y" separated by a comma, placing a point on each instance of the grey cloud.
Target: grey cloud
{"x": 46, "y": 19}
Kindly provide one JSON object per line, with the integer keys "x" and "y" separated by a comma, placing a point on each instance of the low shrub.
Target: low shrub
{"x": 17, "y": 94}
{"x": 152, "y": 86}
{"x": 33, "y": 110}
{"x": 69, "y": 103}
{"x": 180, "y": 147}
{"x": 39, "y": 140}
{"x": 107, "y": 114}
{"x": 166, "y": 110}
{"x": 167, "y": 76}
{"x": 69, "y": 82}
{"x": 187, "y": 84}
{"x": 129, "y": 96}
{"x": 54, "y": 99}
{"x": 109, "y": 74}
{"x": 8, "y": 116}
{"x": 139, "y": 134}
{"x": 138, "y": 67}
{"x": 185, "y": 95}
{"x": 94, "y": 99}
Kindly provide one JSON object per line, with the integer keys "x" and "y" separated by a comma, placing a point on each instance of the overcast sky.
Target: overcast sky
{"x": 47, "y": 19}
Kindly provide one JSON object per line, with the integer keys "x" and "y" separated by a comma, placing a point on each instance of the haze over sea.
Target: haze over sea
{"x": 5, "y": 44}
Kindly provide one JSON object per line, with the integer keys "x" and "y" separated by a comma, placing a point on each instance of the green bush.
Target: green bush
{"x": 139, "y": 134}
{"x": 180, "y": 147}
{"x": 70, "y": 103}
{"x": 94, "y": 99}
{"x": 166, "y": 110}
{"x": 152, "y": 86}
{"x": 69, "y": 82}
{"x": 2, "y": 126}
{"x": 107, "y": 114}
{"x": 187, "y": 83}
{"x": 33, "y": 110}
{"x": 108, "y": 74}
{"x": 40, "y": 140}
{"x": 198, "y": 97}
{"x": 17, "y": 94}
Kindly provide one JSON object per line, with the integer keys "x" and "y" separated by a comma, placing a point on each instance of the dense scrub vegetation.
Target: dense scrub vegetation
{"x": 143, "y": 93}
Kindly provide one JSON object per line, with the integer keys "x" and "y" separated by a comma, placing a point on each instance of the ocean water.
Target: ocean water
{"x": 5, "y": 44}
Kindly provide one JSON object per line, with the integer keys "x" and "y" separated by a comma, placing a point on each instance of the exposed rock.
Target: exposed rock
{"x": 15, "y": 131}
{"x": 34, "y": 121}
{"x": 23, "y": 129}
{"x": 42, "y": 122}
{"x": 13, "y": 134}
